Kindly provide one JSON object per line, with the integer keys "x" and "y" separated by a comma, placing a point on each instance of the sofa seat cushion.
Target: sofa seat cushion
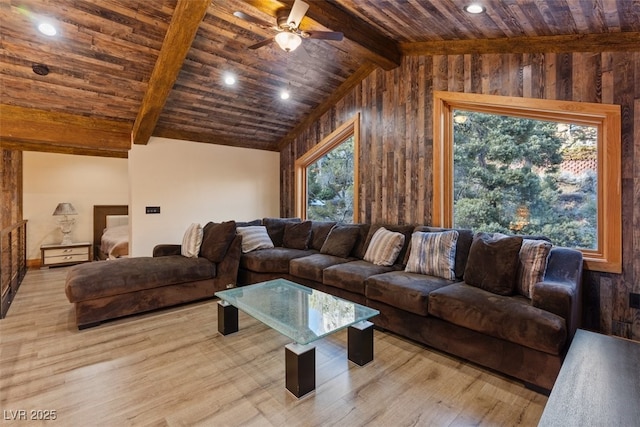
{"x": 273, "y": 260}
{"x": 351, "y": 276}
{"x": 311, "y": 267}
{"x": 124, "y": 275}
{"x": 511, "y": 318}
{"x": 404, "y": 290}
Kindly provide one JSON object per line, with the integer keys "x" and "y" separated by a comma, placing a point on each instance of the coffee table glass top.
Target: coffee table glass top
{"x": 301, "y": 313}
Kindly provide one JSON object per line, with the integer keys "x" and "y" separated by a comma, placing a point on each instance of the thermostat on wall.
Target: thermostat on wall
{"x": 152, "y": 209}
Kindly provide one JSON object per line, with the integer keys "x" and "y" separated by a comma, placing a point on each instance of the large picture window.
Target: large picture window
{"x": 326, "y": 177}
{"x": 528, "y": 166}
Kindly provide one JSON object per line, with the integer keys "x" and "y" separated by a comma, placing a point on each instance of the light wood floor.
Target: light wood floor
{"x": 172, "y": 368}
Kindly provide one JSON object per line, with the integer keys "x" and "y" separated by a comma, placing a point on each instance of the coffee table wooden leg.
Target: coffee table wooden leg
{"x": 300, "y": 367}
{"x": 360, "y": 342}
{"x": 227, "y": 318}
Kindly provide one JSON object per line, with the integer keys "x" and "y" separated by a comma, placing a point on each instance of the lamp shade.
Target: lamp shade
{"x": 288, "y": 41}
{"x": 65, "y": 209}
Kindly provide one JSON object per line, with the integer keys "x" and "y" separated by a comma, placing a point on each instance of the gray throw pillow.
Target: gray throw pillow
{"x": 493, "y": 263}
{"x": 340, "y": 241}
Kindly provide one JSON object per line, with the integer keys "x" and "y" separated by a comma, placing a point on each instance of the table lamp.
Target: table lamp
{"x": 65, "y": 223}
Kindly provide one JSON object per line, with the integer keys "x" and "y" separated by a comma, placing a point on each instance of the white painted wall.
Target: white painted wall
{"x": 196, "y": 182}
{"x": 84, "y": 181}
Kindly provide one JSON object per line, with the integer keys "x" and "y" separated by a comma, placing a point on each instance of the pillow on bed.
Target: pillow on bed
{"x": 191, "y": 241}
{"x": 216, "y": 239}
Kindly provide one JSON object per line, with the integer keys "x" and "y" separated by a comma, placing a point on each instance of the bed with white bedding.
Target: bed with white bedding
{"x": 110, "y": 231}
{"x": 115, "y": 239}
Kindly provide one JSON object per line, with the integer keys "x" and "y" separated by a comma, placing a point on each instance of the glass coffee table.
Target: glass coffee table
{"x": 304, "y": 315}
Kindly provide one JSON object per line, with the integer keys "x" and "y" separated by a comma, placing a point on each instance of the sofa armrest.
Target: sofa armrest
{"x": 560, "y": 292}
{"x": 165, "y": 250}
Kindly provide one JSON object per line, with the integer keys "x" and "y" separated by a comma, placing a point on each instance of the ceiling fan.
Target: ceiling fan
{"x": 289, "y": 35}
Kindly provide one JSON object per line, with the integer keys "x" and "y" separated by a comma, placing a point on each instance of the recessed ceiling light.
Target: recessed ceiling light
{"x": 285, "y": 94}
{"x": 230, "y": 80}
{"x": 474, "y": 8}
{"x": 47, "y": 29}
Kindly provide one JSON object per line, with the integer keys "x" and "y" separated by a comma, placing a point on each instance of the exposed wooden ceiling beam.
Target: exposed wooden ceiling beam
{"x": 626, "y": 41}
{"x": 371, "y": 43}
{"x": 182, "y": 30}
{"x": 209, "y": 139}
{"x": 60, "y": 149}
{"x": 40, "y": 130}
{"x": 336, "y": 96}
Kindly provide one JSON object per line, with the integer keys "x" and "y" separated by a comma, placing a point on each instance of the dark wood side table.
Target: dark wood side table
{"x": 58, "y": 255}
{"x": 598, "y": 384}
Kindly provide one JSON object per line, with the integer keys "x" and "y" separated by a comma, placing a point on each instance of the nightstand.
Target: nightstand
{"x": 58, "y": 255}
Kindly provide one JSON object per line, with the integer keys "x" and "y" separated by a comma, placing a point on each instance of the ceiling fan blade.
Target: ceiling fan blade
{"x": 262, "y": 43}
{"x": 253, "y": 20}
{"x": 324, "y": 35}
{"x": 297, "y": 13}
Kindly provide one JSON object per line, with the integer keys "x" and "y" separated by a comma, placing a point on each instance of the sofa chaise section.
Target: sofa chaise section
{"x": 105, "y": 290}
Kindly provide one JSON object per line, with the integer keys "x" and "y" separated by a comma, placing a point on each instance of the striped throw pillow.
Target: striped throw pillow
{"x": 433, "y": 254}
{"x": 191, "y": 241}
{"x": 533, "y": 263}
{"x": 384, "y": 248}
{"x": 254, "y": 237}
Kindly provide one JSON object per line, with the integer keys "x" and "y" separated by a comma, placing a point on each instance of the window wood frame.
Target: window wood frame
{"x": 337, "y": 137}
{"x": 607, "y": 257}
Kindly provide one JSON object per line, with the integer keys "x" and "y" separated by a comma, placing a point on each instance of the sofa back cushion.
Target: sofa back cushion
{"x": 384, "y": 247}
{"x": 433, "y": 254}
{"x": 216, "y": 239}
{"x": 254, "y": 237}
{"x": 297, "y": 235}
{"x": 463, "y": 244}
{"x": 341, "y": 240}
{"x": 493, "y": 263}
{"x": 360, "y": 246}
{"x": 319, "y": 232}
{"x": 275, "y": 228}
{"x": 248, "y": 223}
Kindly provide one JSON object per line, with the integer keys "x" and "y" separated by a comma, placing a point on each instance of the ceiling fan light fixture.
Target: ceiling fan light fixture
{"x": 285, "y": 94}
{"x": 288, "y": 41}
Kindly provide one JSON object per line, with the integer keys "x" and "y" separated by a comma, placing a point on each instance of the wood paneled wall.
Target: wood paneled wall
{"x": 397, "y": 139}
{"x": 11, "y": 185}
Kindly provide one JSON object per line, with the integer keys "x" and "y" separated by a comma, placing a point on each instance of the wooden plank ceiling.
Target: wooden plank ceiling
{"x": 122, "y": 70}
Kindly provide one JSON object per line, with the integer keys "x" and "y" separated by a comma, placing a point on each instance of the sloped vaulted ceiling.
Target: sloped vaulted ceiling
{"x": 123, "y": 70}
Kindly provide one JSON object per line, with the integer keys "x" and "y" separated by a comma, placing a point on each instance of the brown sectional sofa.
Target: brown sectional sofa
{"x": 521, "y": 337}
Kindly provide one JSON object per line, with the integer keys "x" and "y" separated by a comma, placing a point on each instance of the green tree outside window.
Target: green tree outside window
{"x": 330, "y": 185}
{"x": 524, "y": 176}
